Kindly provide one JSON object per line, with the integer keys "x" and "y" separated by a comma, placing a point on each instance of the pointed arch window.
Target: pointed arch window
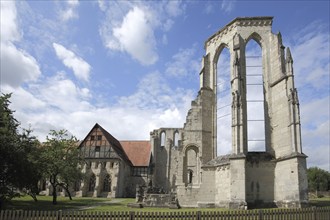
{"x": 255, "y": 97}
{"x": 224, "y": 102}
{"x": 92, "y": 182}
{"x": 107, "y": 183}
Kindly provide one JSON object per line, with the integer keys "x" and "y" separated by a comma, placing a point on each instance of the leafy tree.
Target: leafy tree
{"x": 17, "y": 172}
{"x": 60, "y": 161}
{"x": 318, "y": 179}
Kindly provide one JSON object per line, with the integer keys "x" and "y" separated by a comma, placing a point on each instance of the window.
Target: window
{"x": 140, "y": 171}
{"x": 176, "y": 139}
{"x": 162, "y": 139}
{"x": 97, "y": 151}
{"x": 112, "y": 164}
{"x": 92, "y": 182}
{"x": 192, "y": 166}
{"x": 190, "y": 176}
{"x": 224, "y": 103}
{"x": 255, "y": 97}
{"x": 99, "y": 137}
{"x": 92, "y": 137}
{"x": 107, "y": 183}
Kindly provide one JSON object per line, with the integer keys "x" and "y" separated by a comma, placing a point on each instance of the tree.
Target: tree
{"x": 60, "y": 161}
{"x": 17, "y": 172}
{"x": 318, "y": 179}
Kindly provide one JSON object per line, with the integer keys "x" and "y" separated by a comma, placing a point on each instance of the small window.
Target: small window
{"x": 190, "y": 176}
{"x": 99, "y": 137}
{"x": 140, "y": 171}
{"x": 112, "y": 164}
{"x": 176, "y": 139}
{"x": 97, "y": 151}
{"x": 92, "y": 137}
{"x": 104, "y": 165}
{"x": 162, "y": 139}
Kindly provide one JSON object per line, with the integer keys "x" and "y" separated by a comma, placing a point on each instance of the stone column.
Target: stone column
{"x": 238, "y": 98}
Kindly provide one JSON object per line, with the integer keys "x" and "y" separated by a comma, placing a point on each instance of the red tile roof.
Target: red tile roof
{"x": 137, "y": 151}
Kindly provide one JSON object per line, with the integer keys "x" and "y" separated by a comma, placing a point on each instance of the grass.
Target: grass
{"x": 320, "y": 202}
{"x": 45, "y": 203}
{"x": 103, "y": 204}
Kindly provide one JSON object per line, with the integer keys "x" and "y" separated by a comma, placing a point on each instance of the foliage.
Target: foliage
{"x": 318, "y": 179}
{"x": 60, "y": 160}
{"x": 18, "y": 173}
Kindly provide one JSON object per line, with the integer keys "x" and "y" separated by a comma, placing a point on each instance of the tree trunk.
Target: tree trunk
{"x": 67, "y": 191}
{"x": 54, "y": 194}
{"x": 34, "y": 196}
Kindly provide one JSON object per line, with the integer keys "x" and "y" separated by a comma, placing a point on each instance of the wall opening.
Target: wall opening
{"x": 224, "y": 115}
{"x": 191, "y": 166}
{"x": 162, "y": 139}
{"x": 107, "y": 183}
{"x": 255, "y": 97}
{"x": 92, "y": 183}
{"x": 176, "y": 139}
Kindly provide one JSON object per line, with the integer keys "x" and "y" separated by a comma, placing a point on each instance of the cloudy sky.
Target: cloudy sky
{"x": 134, "y": 66}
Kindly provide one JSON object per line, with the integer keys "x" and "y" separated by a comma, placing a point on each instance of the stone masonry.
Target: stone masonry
{"x": 276, "y": 177}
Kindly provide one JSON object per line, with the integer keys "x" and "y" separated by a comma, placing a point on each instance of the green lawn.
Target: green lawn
{"x": 104, "y": 204}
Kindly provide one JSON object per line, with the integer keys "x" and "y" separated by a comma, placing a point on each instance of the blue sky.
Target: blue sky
{"x": 133, "y": 66}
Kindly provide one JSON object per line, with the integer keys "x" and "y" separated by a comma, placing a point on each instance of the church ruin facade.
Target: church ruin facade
{"x": 190, "y": 166}
{"x": 184, "y": 162}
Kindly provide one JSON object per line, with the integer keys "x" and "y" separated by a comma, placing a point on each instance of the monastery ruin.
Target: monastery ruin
{"x": 183, "y": 163}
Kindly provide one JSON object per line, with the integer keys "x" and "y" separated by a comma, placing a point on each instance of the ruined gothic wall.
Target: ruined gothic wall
{"x": 276, "y": 176}
{"x": 222, "y": 183}
{"x": 166, "y": 157}
{"x": 291, "y": 183}
{"x": 260, "y": 180}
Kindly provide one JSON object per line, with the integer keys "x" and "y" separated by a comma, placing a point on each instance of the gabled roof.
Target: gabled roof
{"x": 113, "y": 141}
{"x": 139, "y": 152}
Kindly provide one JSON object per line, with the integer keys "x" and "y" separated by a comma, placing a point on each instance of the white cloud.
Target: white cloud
{"x": 228, "y": 5}
{"x": 69, "y": 11}
{"x": 135, "y": 36}
{"x": 63, "y": 94}
{"x": 8, "y": 21}
{"x": 59, "y": 103}
{"x": 17, "y": 66}
{"x": 183, "y": 63}
{"x": 209, "y": 8}
{"x": 311, "y": 52}
{"x": 174, "y": 8}
{"x": 102, "y": 5}
{"x": 80, "y": 67}
{"x": 132, "y": 27}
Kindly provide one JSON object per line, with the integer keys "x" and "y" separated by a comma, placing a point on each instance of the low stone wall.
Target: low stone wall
{"x": 157, "y": 200}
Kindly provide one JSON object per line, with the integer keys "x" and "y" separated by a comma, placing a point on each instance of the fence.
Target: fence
{"x": 321, "y": 213}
